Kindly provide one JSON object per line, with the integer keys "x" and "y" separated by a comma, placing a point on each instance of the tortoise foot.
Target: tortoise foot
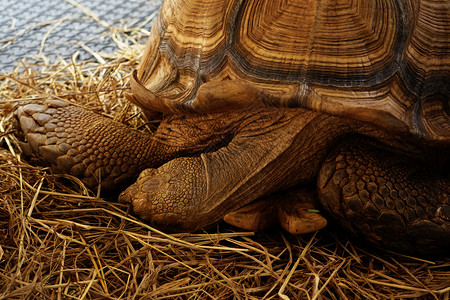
{"x": 38, "y": 123}
{"x": 81, "y": 143}
{"x": 294, "y": 210}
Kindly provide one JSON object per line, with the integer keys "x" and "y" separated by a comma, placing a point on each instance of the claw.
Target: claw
{"x": 41, "y": 118}
{"x": 35, "y": 140}
{"x": 255, "y": 216}
{"x": 56, "y": 103}
{"x": 34, "y": 108}
{"x": 290, "y": 209}
{"x": 50, "y": 152}
{"x": 27, "y": 124}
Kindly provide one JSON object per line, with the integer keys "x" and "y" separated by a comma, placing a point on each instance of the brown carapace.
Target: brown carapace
{"x": 380, "y": 61}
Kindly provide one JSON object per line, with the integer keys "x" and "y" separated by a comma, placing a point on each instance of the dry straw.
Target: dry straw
{"x": 59, "y": 240}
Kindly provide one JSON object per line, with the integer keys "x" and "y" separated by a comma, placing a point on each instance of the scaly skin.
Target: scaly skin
{"x": 84, "y": 150}
{"x": 200, "y": 167}
{"x": 390, "y": 200}
{"x": 100, "y": 151}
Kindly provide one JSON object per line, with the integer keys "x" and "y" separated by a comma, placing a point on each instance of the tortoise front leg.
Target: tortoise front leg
{"x": 388, "y": 199}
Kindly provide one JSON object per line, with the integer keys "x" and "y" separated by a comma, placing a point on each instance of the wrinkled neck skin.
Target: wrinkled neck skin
{"x": 316, "y": 133}
{"x": 193, "y": 134}
{"x": 189, "y": 135}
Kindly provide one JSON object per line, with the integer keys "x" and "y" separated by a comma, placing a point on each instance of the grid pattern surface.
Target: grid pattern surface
{"x": 34, "y": 29}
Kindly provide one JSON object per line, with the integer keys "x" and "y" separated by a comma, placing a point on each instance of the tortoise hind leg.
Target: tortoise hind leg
{"x": 81, "y": 143}
{"x": 388, "y": 199}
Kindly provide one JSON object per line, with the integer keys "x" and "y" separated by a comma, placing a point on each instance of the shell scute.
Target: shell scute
{"x": 386, "y": 62}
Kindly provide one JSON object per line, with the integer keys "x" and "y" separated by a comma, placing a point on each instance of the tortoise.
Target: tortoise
{"x": 271, "y": 110}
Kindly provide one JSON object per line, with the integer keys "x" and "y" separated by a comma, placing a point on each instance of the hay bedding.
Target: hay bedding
{"x": 59, "y": 240}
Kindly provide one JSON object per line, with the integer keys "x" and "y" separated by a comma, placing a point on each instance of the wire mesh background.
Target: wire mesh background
{"x": 53, "y": 29}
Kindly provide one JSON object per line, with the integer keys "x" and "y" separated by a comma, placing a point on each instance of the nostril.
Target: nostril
{"x": 155, "y": 182}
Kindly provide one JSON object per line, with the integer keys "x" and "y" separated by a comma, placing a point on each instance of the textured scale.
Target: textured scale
{"x": 378, "y": 195}
{"x": 386, "y": 62}
{"x": 83, "y": 151}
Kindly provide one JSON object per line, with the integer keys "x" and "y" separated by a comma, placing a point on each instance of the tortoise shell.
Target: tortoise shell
{"x": 386, "y": 62}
